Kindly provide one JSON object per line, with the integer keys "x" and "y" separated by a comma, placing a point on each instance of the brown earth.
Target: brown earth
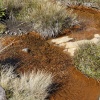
{"x": 44, "y": 56}
{"x": 41, "y": 55}
{"x": 77, "y": 87}
{"x": 89, "y": 23}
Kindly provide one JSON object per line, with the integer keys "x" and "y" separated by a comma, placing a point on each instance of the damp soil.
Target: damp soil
{"x": 41, "y": 55}
{"x": 77, "y": 87}
{"x": 89, "y": 23}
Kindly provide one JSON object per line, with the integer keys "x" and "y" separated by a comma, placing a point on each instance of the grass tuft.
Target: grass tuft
{"x": 87, "y": 59}
{"x": 29, "y": 86}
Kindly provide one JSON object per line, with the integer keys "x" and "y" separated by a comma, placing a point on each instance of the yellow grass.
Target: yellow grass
{"x": 30, "y": 86}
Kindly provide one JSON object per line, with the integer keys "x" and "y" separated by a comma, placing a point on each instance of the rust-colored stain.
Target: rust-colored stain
{"x": 77, "y": 87}
{"x": 42, "y": 55}
{"x": 89, "y": 23}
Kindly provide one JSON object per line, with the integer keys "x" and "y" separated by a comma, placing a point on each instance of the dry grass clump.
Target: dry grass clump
{"x": 30, "y": 86}
{"x": 87, "y": 59}
{"x": 88, "y": 3}
{"x": 47, "y": 18}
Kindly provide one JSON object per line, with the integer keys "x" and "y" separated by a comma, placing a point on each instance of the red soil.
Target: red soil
{"x": 42, "y": 55}
{"x": 89, "y": 23}
{"x": 77, "y": 87}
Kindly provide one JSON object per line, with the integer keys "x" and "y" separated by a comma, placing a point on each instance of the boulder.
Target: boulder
{"x": 26, "y": 50}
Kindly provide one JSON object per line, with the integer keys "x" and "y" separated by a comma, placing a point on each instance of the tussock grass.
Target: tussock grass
{"x": 87, "y": 59}
{"x": 89, "y": 3}
{"x": 29, "y": 86}
{"x": 2, "y": 28}
{"x": 48, "y": 18}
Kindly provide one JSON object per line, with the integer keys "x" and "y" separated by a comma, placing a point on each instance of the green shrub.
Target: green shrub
{"x": 87, "y": 59}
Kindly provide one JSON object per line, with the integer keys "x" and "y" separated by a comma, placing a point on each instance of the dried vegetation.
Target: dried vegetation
{"x": 27, "y": 86}
{"x": 45, "y": 17}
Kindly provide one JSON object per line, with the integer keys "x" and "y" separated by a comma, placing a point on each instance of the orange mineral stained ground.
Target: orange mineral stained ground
{"x": 89, "y": 22}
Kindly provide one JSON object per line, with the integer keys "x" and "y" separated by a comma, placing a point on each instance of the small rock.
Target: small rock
{"x": 2, "y": 94}
{"x": 62, "y": 40}
{"x": 96, "y": 36}
{"x": 70, "y": 50}
{"x": 88, "y": 4}
{"x": 71, "y": 45}
{"x": 62, "y": 44}
{"x": 27, "y": 50}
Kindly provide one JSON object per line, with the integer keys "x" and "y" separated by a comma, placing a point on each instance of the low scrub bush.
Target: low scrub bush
{"x": 87, "y": 59}
{"x": 47, "y": 18}
{"x": 30, "y": 86}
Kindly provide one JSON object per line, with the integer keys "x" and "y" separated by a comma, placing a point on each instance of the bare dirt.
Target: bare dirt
{"x": 77, "y": 87}
{"x": 43, "y": 56}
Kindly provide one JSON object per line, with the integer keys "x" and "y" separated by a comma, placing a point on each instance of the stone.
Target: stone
{"x": 27, "y": 50}
{"x": 95, "y": 40}
{"x": 70, "y": 50}
{"x": 72, "y": 46}
{"x": 88, "y": 4}
{"x": 2, "y": 94}
{"x": 61, "y": 40}
{"x": 96, "y": 36}
{"x": 62, "y": 44}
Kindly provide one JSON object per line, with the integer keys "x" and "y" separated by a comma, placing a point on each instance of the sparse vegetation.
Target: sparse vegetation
{"x": 87, "y": 59}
